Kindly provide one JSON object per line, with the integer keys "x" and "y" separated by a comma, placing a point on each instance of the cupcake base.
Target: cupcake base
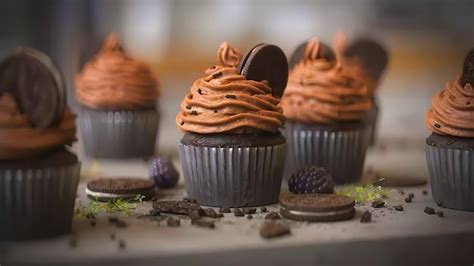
{"x": 37, "y": 197}
{"x": 119, "y": 134}
{"x": 338, "y": 148}
{"x": 233, "y": 176}
{"x": 451, "y": 169}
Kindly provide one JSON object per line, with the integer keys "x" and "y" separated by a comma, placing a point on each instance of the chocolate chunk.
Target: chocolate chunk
{"x": 263, "y": 209}
{"x": 217, "y": 74}
{"x": 411, "y": 195}
{"x": 189, "y": 200}
{"x": 172, "y": 222}
{"x": 408, "y": 199}
{"x": 121, "y": 224}
{"x": 440, "y": 204}
{"x": 272, "y": 216}
{"x": 401, "y": 192}
{"x": 440, "y": 213}
{"x": 112, "y": 236}
{"x": 249, "y": 216}
{"x": 437, "y": 125}
{"x": 210, "y": 213}
{"x": 154, "y": 213}
{"x": 398, "y": 207}
{"x": 425, "y": 192}
{"x": 229, "y": 96}
{"x": 451, "y": 142}
{"x": 224, "y": 210}
{"x": 188, "y": 107}
{"x": 122, "y": 244}
{"x": 248, "y": 210}
{"x": 274, "y": 229}
{"x": 366, "y": 217}
{"x": 204, "y": 223}
{"x": 238, "y": 212}
{"x": 378, "y": 203}
{"x": 194, "y": 112}
{"x": 176, "y": 207}
{"x": 429, "y": 210}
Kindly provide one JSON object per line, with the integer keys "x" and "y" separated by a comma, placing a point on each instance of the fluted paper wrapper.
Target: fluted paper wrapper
{"x": 341, "y": 153}
{"x": 233, "y": 177}
{"x": 37, "y": 203}
{"x": 373, "y": 121}
{"x": 452, "y": 177}
{"x": 118, "y": 134}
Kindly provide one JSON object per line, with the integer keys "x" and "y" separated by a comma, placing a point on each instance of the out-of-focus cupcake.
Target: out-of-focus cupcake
{"x": 38, "y": 173}
{"x": 118, "y": 97}
{"x": 327, "y": 102}
{"x": 450, "y": 147}
{"x": 232, "y": 152}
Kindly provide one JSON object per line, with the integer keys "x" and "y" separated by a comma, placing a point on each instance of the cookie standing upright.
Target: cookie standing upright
{"x": 450, "y": 147}
{"x": 38, "y": 172}
{"x": 232, "y": 151}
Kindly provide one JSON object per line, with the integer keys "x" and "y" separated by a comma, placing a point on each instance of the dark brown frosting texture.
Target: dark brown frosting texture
{"x": 19, "y": 140}
{"x": 224, "y": 101}
{"x": 452, "y": 111}
{"x": 324, "y": 91}
{"x": 112, "y": 80}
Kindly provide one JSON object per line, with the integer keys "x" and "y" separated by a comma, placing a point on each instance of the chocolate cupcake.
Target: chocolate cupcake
{"x": 327, "y": 102}
{"x": 38, "y": 173}
{"x": 450, "y": 147}
{"x": 118, "y": 96}
{"x": 232, "y": 152}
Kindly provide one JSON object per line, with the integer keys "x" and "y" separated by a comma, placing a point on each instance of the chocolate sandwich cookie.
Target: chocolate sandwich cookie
{"x": 266, "y": 62}
{"x": 104, "y": 189}
{"x": 324, "y": 52}
{"x": 317, "y": 207}
{"x": 372, "y": 55}
{"x": 37, "y": 85}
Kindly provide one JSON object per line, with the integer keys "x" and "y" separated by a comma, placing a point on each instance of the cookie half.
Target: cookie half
{"x": 317, "y": 207}
{"x": 104, "y": 189}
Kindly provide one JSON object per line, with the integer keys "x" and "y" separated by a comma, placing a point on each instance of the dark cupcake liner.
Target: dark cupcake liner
{"x": 118, "y": 134}
{"x": 374, "y": 121}
{"x": 340, "y": 152}
{"x": 37, "y": 203}
{"x": 233, "y": 177}
{"x": 452, "y": 177}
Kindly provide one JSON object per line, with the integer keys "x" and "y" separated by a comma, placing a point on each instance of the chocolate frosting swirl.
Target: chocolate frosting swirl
{"x": 324, "y": 91}
{"x": 452, "y": 111}
{"x": 19, "y": 140}
{"x": 224, "y": 101}
{"x": 112, "y": 80}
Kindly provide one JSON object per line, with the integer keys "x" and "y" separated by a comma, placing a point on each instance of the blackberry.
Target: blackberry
{"x": 311, "y": 179}
{"x": 163, "y": 173}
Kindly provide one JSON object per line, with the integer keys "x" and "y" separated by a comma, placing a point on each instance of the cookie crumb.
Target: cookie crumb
{"x": 366, "y": 217}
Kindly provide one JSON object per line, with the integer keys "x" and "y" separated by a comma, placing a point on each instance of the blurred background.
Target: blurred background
{"x": 427, "y": 41}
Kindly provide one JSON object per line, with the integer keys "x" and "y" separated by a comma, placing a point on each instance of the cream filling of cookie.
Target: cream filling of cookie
{"x": 319, "y": 214}
{"x": 95, "y": 194}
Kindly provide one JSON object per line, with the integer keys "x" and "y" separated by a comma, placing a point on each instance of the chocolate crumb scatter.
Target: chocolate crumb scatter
{"x": 112, "y": 236}
{"x": 93, "y": 223}
{"x": 248, "y": 210}
{"x": 429, "y": 210}
{"x": 200, "y": 91}
{"x": 411, "y": 195}
{"x": 440, "y": 204}
{"x": 408, "y": 199}
{"x": 249, "y": 216}
{"x": 366, "y": 217}
{"x": 90, "y": 216}
{"x": 194, "y": 112}
{"x": 263, "y": 209}
{"x": 195, "y": 214}
{"x": 272, "y": 216}
{"x": 401, "y": 192}
{"x": 274, "y": 229}
{"x": 440, "y": 213}
{"x": 378, "y": 203}
{"x": 238, "y": 212}
{"x": 425, "y": 192}
{"x": 188, "y": 107}
{"x": 210, "y": 213}
{"x": 154, "y": 213}
{"x": 398, "y": 207}
{"x": 451, "y": 142}
{"x": 230, "y": 96}
{"x": 224, "y": 210}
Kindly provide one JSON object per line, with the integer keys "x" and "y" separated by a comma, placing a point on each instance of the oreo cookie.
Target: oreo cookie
{"x": 324, "y": 52}
{"x": 468, "y": 69}
{"x": 317, "y": 207}
{"x": 266, "y": 62}
{"x": 37, "y": 85}
{"x": 104, "y": 189}
{"x": 374, "y": 56}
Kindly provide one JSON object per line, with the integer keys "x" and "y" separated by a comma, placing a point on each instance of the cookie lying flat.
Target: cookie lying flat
{"x": 317, "y": 207}
{"x": 104, "y": 189}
